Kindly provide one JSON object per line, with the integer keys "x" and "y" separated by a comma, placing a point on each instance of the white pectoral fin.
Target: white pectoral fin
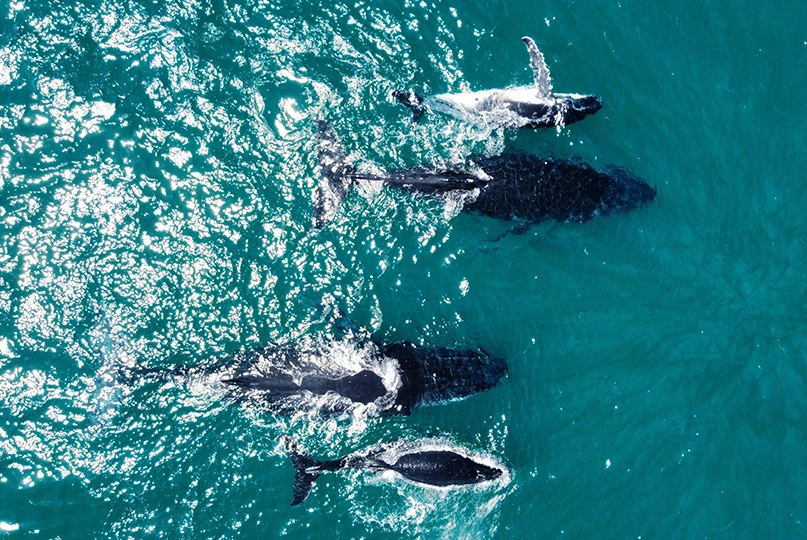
{"x": 539, "y": 68}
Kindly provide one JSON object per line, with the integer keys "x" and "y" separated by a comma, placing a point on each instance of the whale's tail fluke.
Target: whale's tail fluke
{"x": 303, "y": 464}
{"x": 413, "y": 101}
{"x": 337, "y": 175}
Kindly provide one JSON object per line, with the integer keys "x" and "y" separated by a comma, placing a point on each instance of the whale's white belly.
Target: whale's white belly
{"x": 490, "y": 108}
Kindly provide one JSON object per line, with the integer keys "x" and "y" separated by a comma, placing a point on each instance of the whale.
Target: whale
{"x": 510, "y": 186}
{"x": 437, "y": 466}
{"x": 534, "y": 106}
{"x": 329, "y": 377}
{"x": 395, "y": 379}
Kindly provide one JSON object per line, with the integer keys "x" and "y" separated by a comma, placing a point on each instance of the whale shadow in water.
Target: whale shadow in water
{"x": 507, "y": 187}
{"x": 431, "y": 465}
{"x": 535, "y": 107}
{"x": 324, "y": 377}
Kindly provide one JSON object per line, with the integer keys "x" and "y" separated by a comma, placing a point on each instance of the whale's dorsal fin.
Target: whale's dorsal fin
{"x": 539, "y": 68}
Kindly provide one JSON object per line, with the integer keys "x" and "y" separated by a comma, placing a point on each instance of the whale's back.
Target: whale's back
{"x": 443, "y": 468}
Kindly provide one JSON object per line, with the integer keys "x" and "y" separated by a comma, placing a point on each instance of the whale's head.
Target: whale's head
{"x": 577, "y": 107}
{"x": 627, "y": 191}
{"x": 435, "y": 374}
{"x": 485, "y": 473}
{"x": 454, "y": 374}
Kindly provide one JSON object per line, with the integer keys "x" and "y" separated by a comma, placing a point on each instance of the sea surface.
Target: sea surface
{"x": 157, "y": 161}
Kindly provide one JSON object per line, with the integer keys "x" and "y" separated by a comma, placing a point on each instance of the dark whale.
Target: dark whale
{"x": 435, "y": 467}
{"x": 331, "y": 377}
{"x": 533, "y": 107}
{"x": 509, "y": 186}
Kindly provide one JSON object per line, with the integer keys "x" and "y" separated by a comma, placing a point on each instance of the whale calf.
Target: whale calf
{"x": 439, "y": 466}
{"x": 509, "y": 186}
{"x": 323, "y": 377}
{"x": 536, "y": 106}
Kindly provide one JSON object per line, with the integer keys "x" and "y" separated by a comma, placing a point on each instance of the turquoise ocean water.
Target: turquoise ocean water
{"x": 156, "y": 167}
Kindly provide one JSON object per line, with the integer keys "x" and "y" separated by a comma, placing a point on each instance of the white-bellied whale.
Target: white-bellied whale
{"x": 536, "y": 106}
{"x": 440, "y": 466}
{"x": 320, "y": 377}
{"x": 509, "y": 186}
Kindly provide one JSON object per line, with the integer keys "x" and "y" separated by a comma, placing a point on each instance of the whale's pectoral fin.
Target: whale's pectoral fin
{"x": 517, "y": 230}
{"x": 539, "y": 68}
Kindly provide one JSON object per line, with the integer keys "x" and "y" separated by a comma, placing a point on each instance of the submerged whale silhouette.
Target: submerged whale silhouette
{"x": 520, "y": 107}
{"x": 508, "y": 186}
{"x": 435, "y": 467}
{"x": 330, "y": 377}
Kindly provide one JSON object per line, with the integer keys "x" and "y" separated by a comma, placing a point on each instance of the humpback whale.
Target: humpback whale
{"x": 509, "y": 186}
{"x": 331, "y": 377}
{"x": 536, "y": 106}
{"x": 437, "y": 466}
